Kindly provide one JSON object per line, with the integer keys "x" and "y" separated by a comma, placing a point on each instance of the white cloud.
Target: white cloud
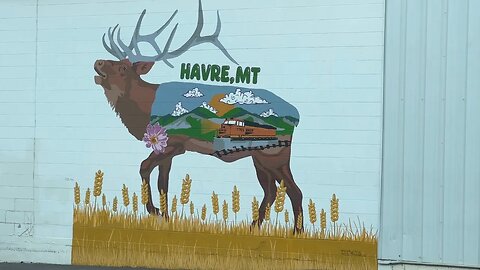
{"x": 242, "y": 98}
{"x": 208, "y": 107}
{"x": 179, "y": 110}
{"x": 193, "y": 93}
{"x": 268, "y": 113}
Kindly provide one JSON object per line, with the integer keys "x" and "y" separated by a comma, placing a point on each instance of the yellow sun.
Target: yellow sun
{"x": 221, "y": 107}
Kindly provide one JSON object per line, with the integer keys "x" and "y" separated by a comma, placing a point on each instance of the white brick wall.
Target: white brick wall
{"x": 6, "y": 229}
{"x": 17, "y": 126}
{"x": 324, "y": 56}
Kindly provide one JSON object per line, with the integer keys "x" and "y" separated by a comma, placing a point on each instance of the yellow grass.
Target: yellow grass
{"x": 127, "y": 238}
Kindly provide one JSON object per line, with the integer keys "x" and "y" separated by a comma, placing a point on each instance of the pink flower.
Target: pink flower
{"x": 156, "y": 138}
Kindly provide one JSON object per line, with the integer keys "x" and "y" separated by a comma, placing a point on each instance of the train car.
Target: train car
{"x": 238, "y": 129}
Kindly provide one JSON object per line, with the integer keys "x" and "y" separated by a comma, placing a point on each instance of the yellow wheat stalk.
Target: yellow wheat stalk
{"x": 126, "y": 198}
{"x": 255, "y": 212}
{"x": 97, "y": 185}
{"x": 174, "y": 205}
{"x": 135, "y": 203}
{"x": 163, "y": 202}
{"x": 334, "y": 211}
{"x": 104, "y": 200}
{"x": 323, "y": 221}
{"x": 215, "y": 206}
{"x": 299, "y": 223}
{"x": 115, "y": 204}
{"x": 204, "y": 212}
{"x": 192, "y": 209}
{"x": 87, "y": 197}
{"x": 225, "y": 211}
{"x": 235, "y": 201}
{"x": 144, "y": 193}
{"x": 312, "y": 212}
{"x": 185, "y": 194}
{"x": 280, "y": 199}
{"x": 267, "y": 213}
{"x": 334, "y": 208}
{"x": 287, "y": 218}
{"x": 76, "y": 192}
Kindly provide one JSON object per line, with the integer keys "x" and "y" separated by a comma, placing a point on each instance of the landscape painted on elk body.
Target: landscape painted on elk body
{"x": 230, "y": 117}
{"x": 226, "y": 120}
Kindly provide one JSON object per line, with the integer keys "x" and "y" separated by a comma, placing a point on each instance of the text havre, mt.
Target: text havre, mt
{"x": 204, "y": 72}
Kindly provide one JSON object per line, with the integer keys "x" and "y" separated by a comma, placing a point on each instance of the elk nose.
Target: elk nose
{"x": 99, "y": 63}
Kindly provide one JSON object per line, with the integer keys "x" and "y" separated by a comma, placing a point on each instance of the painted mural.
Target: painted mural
{"x": 229, "y": 121}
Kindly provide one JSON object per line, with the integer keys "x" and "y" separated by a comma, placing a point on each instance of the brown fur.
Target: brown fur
{"x": 129, "y": 96}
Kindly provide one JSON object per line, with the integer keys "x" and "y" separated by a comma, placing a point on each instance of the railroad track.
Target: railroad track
{"x": 224, "y": 152}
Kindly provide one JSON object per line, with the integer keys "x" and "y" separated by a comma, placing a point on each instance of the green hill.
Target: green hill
{"x": 235, "y": 112}
{"x": 163, "y": 120}
{"x": 204, "y": 113}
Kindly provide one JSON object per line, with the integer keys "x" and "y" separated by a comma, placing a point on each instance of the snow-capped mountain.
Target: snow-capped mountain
{"x": 268, "y": 113}
{"x": 179, "y": 110}
{"x": 208, "y": 107}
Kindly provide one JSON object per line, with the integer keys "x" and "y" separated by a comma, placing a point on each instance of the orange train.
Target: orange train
{"x": 237, "y": 129}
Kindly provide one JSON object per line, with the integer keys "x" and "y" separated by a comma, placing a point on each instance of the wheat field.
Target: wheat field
{"x": 122, "y": 234}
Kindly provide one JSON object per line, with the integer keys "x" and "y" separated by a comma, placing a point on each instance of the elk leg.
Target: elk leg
{"x": 163, "y": 161}
{"x": 279, "y": 167}
{"x": 163, "y": 176}
{"x": 294, "y": 193}
{"x": 269, "y": 189}
{"x": 146, "y": 168}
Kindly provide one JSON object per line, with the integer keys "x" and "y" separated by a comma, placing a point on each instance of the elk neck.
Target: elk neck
{"x": 143, "y": 94}
{"x": 135, "y": 106}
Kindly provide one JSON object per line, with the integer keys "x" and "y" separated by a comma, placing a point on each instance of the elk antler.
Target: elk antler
{"x": 132, "y": 51}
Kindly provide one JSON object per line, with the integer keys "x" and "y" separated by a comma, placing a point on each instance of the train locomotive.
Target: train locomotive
{"x": 236, "y": 135}
{"x": 237, "y": 129}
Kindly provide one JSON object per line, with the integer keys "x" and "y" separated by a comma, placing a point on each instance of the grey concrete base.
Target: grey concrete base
{"x": 409, "y": 266}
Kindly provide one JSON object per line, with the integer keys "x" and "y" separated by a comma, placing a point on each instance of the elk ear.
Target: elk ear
{"x": 142, "y": 68}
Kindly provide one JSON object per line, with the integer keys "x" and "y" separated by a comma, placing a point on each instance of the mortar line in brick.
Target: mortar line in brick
{"x": 35, "y": 112}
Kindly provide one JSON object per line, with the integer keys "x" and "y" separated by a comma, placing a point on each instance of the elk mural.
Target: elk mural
{"x": 227, "y": 122}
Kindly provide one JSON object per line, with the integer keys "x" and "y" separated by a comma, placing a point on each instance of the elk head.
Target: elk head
{"x": 120, "y": 78}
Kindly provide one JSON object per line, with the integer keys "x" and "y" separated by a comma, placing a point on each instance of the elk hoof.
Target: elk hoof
{"x": 254, "y": 225}
{"x": 153, "y": 210}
